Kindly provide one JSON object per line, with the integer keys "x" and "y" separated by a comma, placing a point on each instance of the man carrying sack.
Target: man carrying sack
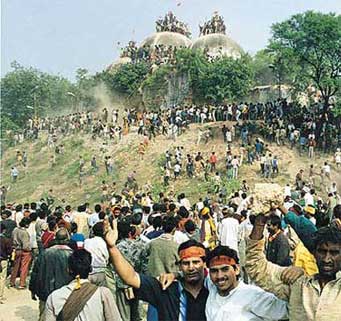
{"x": 81, "y": 300}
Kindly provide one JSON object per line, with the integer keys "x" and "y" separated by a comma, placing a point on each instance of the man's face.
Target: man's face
{"x": 116, "y": 213}
{"x": 272, "y": 229}
{"x": 193, "y": 269}
{"x": 224, "y": 277}
{"x": 328, "y": 258}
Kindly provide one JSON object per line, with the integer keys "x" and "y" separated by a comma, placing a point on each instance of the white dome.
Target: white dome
{"x": 167, "y": 38}
{"x": 218, "y": 45}
{"x": 119, "y": 62}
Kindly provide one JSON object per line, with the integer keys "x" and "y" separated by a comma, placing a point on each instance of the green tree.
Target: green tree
{"x": 226, "y": 79}
{"x": 194, "y": 63}
{"x": 82, "y": 97}
{"x": 127, "y": 79}
{"x": 26, "y": 92}
{"x": 223, "y": 79}
{"x": 261, "y": 64}
{"x": 155, "y": 86}
{"x": 312, "y": 42}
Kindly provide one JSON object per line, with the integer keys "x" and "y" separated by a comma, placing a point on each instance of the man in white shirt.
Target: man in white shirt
{"x": 180, "y": 237}
{"x": 228, "y": 136}
{"x": 235, "y": 165}
{"x": 231, "y": 299}
{"x": 326, "y": 170}
{"x": 228, "y": 229}
{"x": 177, "y": 169}
{"x": 287, "y": 190}
{"x": 94, "y": 218}
{"x": 184, "y": 201}
{"x": 246, "y": 202}
{"x": 309, "y": 198}
{"x": 100, "y": 255}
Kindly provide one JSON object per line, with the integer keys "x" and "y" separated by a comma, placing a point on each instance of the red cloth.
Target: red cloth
{"x": 46, "y": 238}
{"x": 213, "y": 159}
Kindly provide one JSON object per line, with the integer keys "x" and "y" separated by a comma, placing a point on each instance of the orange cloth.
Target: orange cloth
{"x": 213, "y": 159}
{"x": 193, "y": 251}
{"x": 220, "y": 260}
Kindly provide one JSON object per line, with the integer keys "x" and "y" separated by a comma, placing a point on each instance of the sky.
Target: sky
{"x": 59, "y": 36}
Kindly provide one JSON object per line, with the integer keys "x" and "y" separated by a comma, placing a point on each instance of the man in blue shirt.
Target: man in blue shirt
{"x": 182, "y": 300}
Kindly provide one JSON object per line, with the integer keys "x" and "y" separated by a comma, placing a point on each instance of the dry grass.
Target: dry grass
{"x": 64, "y": 180}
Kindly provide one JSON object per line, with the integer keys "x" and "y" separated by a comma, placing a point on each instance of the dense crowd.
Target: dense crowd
{"x": 310, "y": 131}
{"x": 307, "y": 128}
{"x": 160, "y": 54}
{"x": 214, "y": 25}
{"x": 194, "y": 261}
{"x": 211, "y": 260}
{"x": 171, "y": 23}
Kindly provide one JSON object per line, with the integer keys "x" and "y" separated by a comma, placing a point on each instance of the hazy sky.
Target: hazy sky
{"x": 59, "y": 36}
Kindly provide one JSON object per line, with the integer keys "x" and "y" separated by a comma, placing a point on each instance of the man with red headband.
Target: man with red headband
{"x": 230, "y": 298}
{"x": 183, "y": 300}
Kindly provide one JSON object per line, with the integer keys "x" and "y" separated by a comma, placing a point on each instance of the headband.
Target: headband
{"x": 193, "y": 251}
{"x": 222, "y": 259}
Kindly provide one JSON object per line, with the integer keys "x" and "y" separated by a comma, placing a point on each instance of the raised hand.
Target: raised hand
{"x": 166, "y": 279}
{"x": 110, "y": 234}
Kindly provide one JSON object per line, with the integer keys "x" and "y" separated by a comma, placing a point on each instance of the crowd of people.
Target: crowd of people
{"x": 166, "y": 54}
{"x": 211, "y": 260}
{"x": 214, "y": 25}
{"x": 160, "y": 54}
{"x": 307, "y": 128}
{"x": 157, "y": 55}
{"x": 171, "y": 23}
{"x": 201, "y": 261}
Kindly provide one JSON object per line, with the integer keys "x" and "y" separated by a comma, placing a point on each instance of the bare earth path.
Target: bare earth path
{"x": 18, "y": 306}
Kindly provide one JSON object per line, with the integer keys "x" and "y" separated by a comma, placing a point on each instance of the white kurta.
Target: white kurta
{"x": 228, "y": 233}
{"x": 244, "y": 303}
{"x": 99, "y": 253}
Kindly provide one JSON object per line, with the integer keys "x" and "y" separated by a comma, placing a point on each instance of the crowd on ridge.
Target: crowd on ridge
{"x": 277, "y": 121}
{"x": 310, "y": 131}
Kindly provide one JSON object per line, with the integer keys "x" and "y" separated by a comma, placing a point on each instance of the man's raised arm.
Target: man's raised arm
{"x": 121, "y": 265}
{"x": 265, "y": 274}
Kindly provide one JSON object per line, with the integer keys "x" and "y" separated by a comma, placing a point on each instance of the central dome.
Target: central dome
{"x": 217, "y": 45}
{"x": 166, "y": 38}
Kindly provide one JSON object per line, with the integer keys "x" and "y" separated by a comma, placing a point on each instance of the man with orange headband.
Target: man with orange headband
{"x": 230, "y": 298}
{"x": 183, "y": 300}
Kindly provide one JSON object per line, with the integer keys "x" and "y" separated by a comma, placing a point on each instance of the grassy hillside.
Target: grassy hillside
{"x": 63, "y": 178}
